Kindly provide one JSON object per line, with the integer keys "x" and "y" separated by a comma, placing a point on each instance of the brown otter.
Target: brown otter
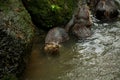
{"x": 52, "y": 48}
{"x": 106, "y": 10}
{"x": 81, "y": 31}
{"x": 81, "y": 23}
{"x": 53, "y": 39}
{"x": 83, "y": 16}
{"x": 92, "y": 4}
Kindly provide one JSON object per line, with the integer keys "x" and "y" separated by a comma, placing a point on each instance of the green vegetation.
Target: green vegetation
{"x": 18, "y": 18}
{"x": 16, "y": 34}
{"x": 9, "y": 77}
{"x": 50, "y": 13}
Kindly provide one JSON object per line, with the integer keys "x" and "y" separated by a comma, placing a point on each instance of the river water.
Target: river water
{"x": 96, "y": 58}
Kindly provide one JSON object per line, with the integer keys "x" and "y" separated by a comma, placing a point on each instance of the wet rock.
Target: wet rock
{"x": 106, "y": 9}
{"x": 50, "y": 13}
{"x": 16, "y": 33}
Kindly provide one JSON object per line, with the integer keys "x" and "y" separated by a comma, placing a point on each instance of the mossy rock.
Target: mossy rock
{"x": 50, "y": 13}
{"x": 15, "y": 18}
{"x": 9, "y": 77}
{"x": 16, "y": 34}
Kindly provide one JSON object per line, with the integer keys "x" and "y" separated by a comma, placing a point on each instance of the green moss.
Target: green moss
{"x": 9, "y": 77}
{"x": 17, "y": 32}
{"x": 50, "y": 13}
{"x": 17, "y": 16}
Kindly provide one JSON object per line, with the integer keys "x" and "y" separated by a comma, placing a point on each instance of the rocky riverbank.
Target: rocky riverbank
{"x": 16, "y": 33}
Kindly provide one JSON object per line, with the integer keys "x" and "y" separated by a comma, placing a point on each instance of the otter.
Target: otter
{"x": 81, "y": 31}
{"x": 54, "y": 37}
{"x": 92, "y": 4}
{"x": 81, "y": 23}
{"x": 83, "y": 16}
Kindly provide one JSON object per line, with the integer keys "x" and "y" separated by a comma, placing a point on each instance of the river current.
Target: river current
{"x": 95, "y": 58}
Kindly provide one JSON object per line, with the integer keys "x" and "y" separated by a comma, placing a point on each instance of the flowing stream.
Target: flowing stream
{"x": 96, "y": 58}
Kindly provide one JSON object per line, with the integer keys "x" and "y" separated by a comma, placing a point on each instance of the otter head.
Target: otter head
{"x": 52, "y": 48}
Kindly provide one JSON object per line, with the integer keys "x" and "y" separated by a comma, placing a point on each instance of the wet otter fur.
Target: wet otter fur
{"x": 81, "y": 31}
{"x": 52, "y": 48}
{"x": 53, "y": 40}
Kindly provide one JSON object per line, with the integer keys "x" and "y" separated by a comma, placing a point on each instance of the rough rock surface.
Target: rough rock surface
{"x": 16, "y": 33}
{"x": 50, "y": 13}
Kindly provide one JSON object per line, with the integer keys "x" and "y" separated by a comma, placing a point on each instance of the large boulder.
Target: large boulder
{"x": 16, "y": 33}
{"x": 50, "y": 13}
{"x": 106, "y": 10}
